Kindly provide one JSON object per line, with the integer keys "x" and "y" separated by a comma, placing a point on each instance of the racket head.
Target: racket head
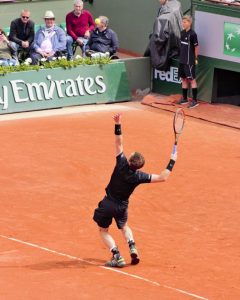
{"x": 178, "y": 121}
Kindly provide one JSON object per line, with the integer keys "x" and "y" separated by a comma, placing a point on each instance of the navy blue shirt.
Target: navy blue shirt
{"x": 124, "y": 180}
{"x": 105, "y": 41}
{"x": 189, "y": 41}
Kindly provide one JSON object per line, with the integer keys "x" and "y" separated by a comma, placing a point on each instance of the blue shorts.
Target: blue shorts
{"x": 108, "y": 210}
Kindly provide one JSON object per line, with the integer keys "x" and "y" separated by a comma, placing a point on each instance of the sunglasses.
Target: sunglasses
{"x": 50, "y": 19}
{"x": 25, "y": 17}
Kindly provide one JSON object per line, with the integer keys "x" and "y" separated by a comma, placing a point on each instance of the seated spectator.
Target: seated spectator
{"x": 49, "y": 41}
{"x": 102, "y": 39}
{"x": 79, "y": 23}
{"x": 22, "y": 34}
{"x": 6, "y": 51}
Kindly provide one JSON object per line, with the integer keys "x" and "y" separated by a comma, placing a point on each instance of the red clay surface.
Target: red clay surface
{"x": 53, "y": 173}
{"x": 223, "y": 114}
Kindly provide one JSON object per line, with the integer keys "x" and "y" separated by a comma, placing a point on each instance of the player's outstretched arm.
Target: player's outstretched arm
{"x": 118, "y": 134}
{"x": 163, "y": 176}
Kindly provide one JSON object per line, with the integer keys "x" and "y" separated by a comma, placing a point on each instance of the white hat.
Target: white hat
{"x": 49, "y": 15}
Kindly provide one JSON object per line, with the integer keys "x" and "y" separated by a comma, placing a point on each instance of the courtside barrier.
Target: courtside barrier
{"x": 53, "y": 88}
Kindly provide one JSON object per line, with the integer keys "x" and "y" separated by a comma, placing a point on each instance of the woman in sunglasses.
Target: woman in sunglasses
{"x": 6, "y": 50}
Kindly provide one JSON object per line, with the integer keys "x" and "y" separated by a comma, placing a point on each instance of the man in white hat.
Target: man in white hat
{"x": 50, "y": 40}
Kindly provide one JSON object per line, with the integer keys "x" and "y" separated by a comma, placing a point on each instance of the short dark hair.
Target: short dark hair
{"x": 136, "y": 161}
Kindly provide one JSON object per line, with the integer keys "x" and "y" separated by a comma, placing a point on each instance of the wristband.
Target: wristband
{"x": 118, "y": 130}
{"x": 170, "y": 165}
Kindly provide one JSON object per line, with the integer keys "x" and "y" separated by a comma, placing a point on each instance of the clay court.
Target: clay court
{"x": 54, "y": 169}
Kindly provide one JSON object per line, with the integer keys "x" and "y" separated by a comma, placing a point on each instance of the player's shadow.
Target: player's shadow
{"x": 101, "y": 263}
{"x": 66, "y": 264}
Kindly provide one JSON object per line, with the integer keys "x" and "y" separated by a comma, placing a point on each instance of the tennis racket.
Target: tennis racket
{"x": 178, "y": 124}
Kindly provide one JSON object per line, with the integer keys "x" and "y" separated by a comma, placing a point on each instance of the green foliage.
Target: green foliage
{"x": 58, "y": 63}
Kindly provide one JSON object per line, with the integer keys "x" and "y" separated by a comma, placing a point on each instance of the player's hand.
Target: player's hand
{"x": 117, "y": 118}
{"x": 196, "y": 61}
{"x": 174, "y": 156}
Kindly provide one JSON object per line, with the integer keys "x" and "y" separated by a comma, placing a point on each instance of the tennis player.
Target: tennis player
{"x": 125, "y": 178}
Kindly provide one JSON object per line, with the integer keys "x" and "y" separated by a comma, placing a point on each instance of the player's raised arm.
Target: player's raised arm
{"x": 163, "y": 176}
{"x": 118, "y": 134}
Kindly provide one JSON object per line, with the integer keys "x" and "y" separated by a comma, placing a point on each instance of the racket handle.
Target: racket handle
{"x": 174, "y": 148}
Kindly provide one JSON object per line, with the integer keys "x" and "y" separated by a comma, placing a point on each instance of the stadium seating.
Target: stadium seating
{"x": 37, "y": 26}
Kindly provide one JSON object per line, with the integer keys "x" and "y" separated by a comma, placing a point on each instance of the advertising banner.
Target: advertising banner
{"x": 52, "y": 88}
{"x": 167, "y": 82}
{"x": 232, "y": 39}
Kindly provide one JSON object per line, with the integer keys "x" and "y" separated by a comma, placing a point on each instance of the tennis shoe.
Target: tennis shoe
{"x": 134, "y": 255}
{"x": 193, "y": 104}
{"x": 183, "y": 101}
{"x": 117, "y": 261}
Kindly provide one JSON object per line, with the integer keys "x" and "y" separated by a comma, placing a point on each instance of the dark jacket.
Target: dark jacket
{"x": 164, "y": 42}
{"x": 20, "y": 32}
{"x": 105, "y": 41}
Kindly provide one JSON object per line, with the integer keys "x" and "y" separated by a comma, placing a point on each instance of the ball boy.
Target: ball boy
{"x": 188, "y": 61}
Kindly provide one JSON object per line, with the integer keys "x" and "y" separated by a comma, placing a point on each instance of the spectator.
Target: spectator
{"x": 102, "y": 39}
{"x": 79, "y": 24}
{"x": 6, "y": 50}
{"x": 50, "y": 40}
{"x": 188, "y": 61}
{"x": 164, "y": 43}
{"x": 22, "y": 34}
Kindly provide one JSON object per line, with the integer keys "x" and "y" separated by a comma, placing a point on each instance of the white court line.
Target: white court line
{"x": 106, "y": 268}
{"x": 65, "y": 111}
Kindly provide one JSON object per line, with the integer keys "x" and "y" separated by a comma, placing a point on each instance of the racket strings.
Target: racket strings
{"x": 179, "y": 121}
